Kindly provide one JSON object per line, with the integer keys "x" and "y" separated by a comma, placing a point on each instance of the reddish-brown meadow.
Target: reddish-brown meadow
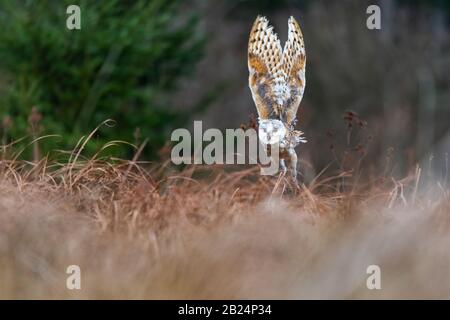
{"x": 141, "y": 231}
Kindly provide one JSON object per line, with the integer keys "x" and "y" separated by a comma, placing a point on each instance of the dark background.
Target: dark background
{"x": 375, "y": 99}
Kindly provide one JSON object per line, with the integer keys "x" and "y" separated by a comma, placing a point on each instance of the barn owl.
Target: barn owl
{"x": 277, "y": 82}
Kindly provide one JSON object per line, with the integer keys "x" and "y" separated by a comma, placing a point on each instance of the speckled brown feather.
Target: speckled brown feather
{"x": 264, "y": 56}
{"x": 294, "y": 63}
{"x": 276, "y": 76}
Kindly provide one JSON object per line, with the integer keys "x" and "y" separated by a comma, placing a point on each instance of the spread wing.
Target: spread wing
{"x": 294, "y": 63}
{"x": 276, "y": 75}
{"x": 264, "y": 56}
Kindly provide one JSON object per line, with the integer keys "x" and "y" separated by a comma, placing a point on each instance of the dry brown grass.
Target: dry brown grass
{"x": 140, "y": 232}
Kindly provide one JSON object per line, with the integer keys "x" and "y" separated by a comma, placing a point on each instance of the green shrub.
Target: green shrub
{"x": 123, "y": 64}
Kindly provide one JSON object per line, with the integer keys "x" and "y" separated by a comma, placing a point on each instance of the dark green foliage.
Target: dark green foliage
{"x": 123, "y": 64}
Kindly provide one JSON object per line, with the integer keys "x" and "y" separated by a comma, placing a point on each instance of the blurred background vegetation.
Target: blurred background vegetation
{"x": 123, "y": 65}
{"x": 381, "y": 97}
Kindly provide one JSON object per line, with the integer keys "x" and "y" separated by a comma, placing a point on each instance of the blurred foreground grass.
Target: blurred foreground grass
{"x": 140, "y": 231}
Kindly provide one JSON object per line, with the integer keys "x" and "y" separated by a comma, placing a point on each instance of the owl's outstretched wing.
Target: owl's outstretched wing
{"x": 264, "y": 57}
{"x": 294, "y": 63}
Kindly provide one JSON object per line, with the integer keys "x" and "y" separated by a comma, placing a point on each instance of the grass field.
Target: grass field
{"x": 149, "y": 231}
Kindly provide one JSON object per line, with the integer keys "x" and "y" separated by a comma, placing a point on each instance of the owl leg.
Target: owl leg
{"x": 293, "y": 164}
{"x": 283, "y": 166}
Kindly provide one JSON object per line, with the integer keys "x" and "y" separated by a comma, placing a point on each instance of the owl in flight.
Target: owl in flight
{"x": 277, "y": 82}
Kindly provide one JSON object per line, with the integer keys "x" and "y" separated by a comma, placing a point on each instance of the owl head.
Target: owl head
{"x": 271, "y": 131}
